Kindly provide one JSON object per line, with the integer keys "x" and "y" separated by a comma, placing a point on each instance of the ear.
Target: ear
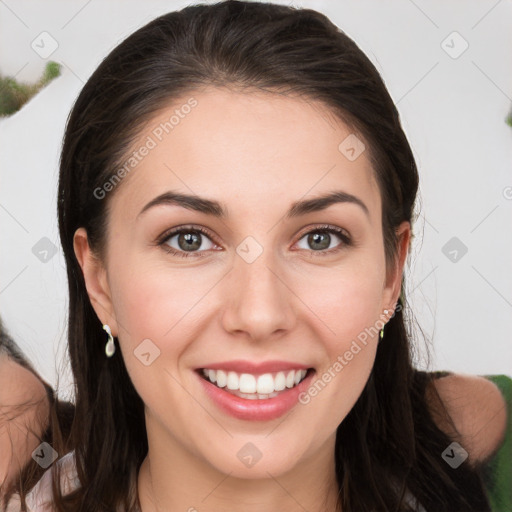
{"x": 393, "y": 286}
{"x": 95, "y": 276}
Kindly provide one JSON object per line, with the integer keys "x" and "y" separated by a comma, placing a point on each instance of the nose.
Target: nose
{"x": 259, "y": 301}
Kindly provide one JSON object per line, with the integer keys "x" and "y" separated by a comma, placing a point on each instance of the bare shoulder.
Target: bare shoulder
{"x": 478, "y": 412}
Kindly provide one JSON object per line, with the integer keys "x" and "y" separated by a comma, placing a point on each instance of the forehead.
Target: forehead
{"x": 249, "y": 150}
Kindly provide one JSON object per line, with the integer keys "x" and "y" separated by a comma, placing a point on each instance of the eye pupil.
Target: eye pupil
{"x": 192, "y": 241}
{"x": 318, "y": 238}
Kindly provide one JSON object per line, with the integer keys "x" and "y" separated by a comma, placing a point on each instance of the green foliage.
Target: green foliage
{"x": 51, "y": 71}
{"x": 14, "y": 94}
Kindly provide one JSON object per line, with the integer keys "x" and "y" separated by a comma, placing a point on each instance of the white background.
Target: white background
{"x": 453, "y": 111}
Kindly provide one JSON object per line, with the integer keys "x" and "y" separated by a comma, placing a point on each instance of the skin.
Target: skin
{"x": 24, "y": 412}
{"x": 257, "y": 154}
{"x": 478, "y": 412}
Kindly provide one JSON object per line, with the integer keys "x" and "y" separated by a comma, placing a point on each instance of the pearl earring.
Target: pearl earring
{"x": 110, "y": 347}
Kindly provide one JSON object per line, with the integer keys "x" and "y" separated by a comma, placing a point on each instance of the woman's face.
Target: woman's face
{"x": 263, "y": 283}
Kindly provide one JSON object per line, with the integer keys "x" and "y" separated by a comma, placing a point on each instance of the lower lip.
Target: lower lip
{"x": 256, "y": 410}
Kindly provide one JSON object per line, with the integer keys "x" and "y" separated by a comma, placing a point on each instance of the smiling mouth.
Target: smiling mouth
{"x": 255, "y": 387}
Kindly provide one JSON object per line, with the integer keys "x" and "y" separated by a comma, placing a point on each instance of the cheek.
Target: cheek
{"x": 152, "y": 301}
{"x": 350, "y": 311}
{"x": 347, "y": 299}
{"x": 163, "y": 305}
{"x": 346, "y": 304}
{"x": 156, "y": 304}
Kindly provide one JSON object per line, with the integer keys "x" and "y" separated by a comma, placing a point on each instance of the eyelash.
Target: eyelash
{"x": 162, "y": 241}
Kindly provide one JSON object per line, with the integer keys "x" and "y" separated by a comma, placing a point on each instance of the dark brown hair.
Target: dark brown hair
{"x": 389, "y": 442}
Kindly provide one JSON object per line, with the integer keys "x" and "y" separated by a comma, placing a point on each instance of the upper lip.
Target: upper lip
{"x": 241, "y": 366}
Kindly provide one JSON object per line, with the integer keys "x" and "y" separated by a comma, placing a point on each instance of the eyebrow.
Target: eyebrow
{"x": 214, "y": 208}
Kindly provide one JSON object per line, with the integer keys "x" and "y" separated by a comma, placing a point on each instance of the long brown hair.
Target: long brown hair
{"x": 388, "y": 444}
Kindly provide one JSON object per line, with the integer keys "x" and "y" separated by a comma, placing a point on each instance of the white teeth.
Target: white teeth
{"x": 253, "y": 387}
{"x": 247, "y": 384}
{"x": 265, "y": 384}
{"x": 280, "y": 381}
{"x": 221, "y": 377}
{"x": 233, "y": 381}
